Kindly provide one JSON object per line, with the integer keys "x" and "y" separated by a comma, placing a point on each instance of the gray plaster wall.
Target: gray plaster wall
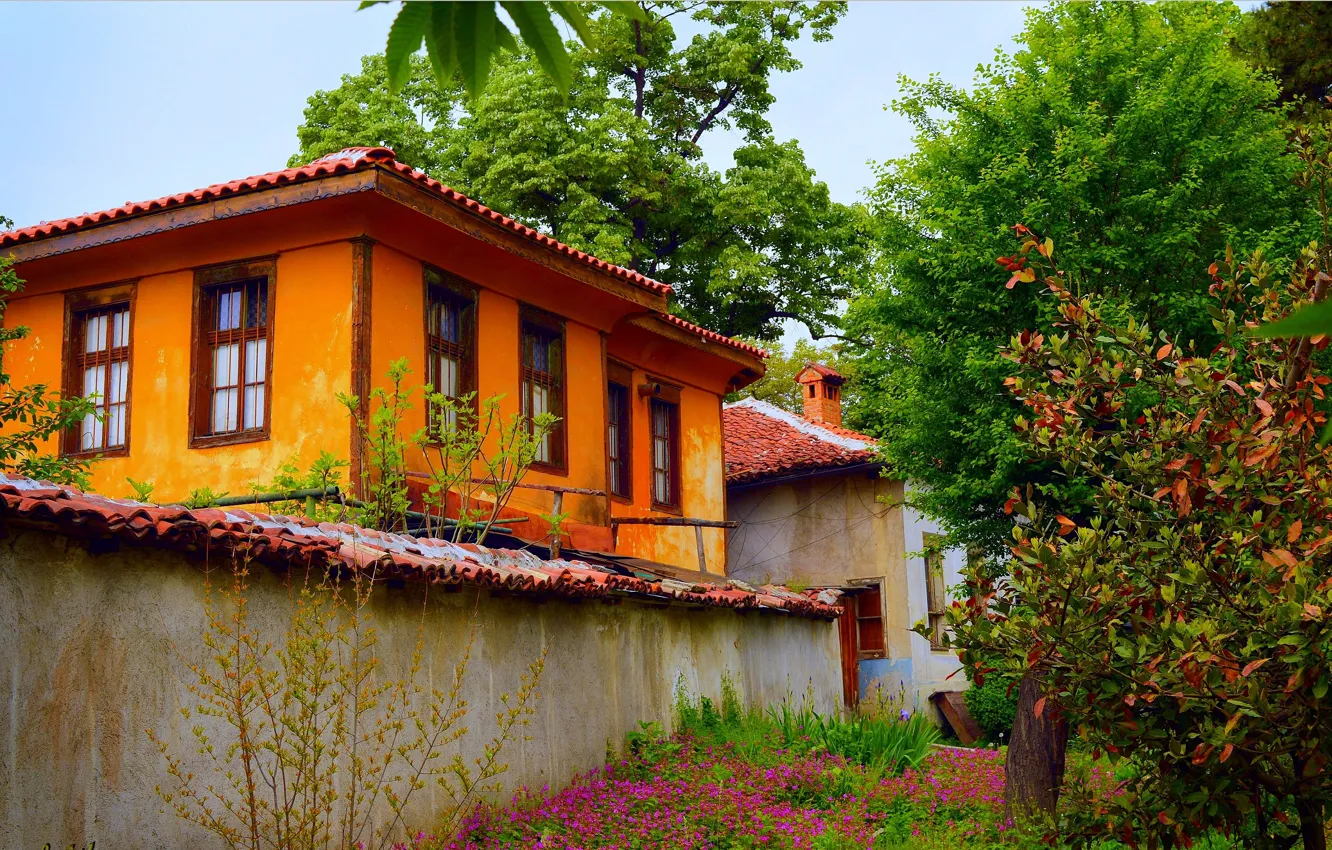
{"x": 851, "y": 528}
{"x": 94, "y": 651}
{"x": 822, "y": 530}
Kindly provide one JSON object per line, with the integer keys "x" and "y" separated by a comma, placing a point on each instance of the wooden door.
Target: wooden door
{"x": 847, "y": 637}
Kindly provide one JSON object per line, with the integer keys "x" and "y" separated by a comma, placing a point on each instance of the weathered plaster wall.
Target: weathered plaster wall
{"x": 844, "y": 528}
{"x": 93, "y": 649}
{"x": 824, "y": 530}
{"x": 931, "y": 668}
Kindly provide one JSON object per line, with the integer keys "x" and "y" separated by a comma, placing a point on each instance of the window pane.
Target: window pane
{"x": 254, "y": 406}
{"x": 446, "y": 380}
{"x": 90, "y": 435}
{"x": 224, "y": 411}
{"x": 94, "y": 384}
{"x": 228, "y": 310}
{"x": 119, "y": 381}
{"x": 95, "y": 334}
{"x": 115, "y": 426}
{"x": 256, "y": 304}
{"x": 447, "y": 326}
{"x": 256, "y": 366}
{"x": 120, "y": 332}
{"x": 226, "y": 365}
{"x": 540, "y": 354}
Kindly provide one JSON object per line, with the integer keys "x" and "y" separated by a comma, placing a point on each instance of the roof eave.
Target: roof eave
{"x": 804, "y": 474}
{"x": 192, "y": 213}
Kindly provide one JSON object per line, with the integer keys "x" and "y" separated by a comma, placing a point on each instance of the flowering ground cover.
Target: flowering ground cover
{"x": 689, "y": 795}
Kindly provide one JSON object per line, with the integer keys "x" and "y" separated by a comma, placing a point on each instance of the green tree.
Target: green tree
{"x": 1130, "y": 133}
{"x": 1294, "y": 42}
{"x": 1184, "y": 625}
{"x": 33, "y": 414}
{"x": 616, "y": 168}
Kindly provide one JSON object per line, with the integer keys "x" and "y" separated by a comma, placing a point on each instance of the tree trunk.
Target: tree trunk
{"x": 1035, "y": 765}
{"x": 1311, "y": 824}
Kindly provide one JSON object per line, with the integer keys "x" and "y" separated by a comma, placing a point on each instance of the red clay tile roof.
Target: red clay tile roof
{"x": 716, "y": 337}
{"x": 342, "y": 162}
{"x": 763, "y": 441}
{"x": 282, "y": 541}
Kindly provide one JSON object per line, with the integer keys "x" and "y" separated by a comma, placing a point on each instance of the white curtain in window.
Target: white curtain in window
{"x": 256, "y": 371}
{"x": 94, "y": 384}
{"x": 226, "y": 363}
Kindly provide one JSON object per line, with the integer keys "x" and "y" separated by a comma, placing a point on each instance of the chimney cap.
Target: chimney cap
{"x": 815, "y": 372}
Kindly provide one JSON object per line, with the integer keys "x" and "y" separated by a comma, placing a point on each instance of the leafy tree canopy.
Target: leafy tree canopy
{"x": 616, "y": 168}
{"x": 1184, "y": 624}
{"x": 1294, "y": 42}
{"x": 1130, "y": 133}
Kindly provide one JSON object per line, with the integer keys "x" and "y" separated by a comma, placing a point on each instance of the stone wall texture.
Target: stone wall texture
{"x": 95, "y": 648}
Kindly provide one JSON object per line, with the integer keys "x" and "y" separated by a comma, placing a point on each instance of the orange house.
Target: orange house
{"x": 217, "y": 326}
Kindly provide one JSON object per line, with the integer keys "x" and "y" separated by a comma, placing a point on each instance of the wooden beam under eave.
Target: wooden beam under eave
{"x": 661, "y": 327}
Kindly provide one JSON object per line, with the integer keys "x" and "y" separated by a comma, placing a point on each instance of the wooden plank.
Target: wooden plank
{"x": 954, "y": 709}
{"x": 556, "y": 508}
{"x": 850, "y": 652}
{"x": 673, "y": 520}
{"x": 362, "y": 261}
{"x": 548, "y": 488}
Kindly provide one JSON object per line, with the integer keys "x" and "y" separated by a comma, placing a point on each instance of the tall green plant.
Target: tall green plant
{"x": 31, "y": 415}
{"x": 476, "y": 455}
{"x": 384, "y": 475}
{"x": 469, "y": 450}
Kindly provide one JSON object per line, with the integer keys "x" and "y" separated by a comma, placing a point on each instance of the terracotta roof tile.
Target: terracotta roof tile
{"x": 762, "y": 441}
{"x": 342, "y": 162}
{"x": 822, "y": 371}
{"x": 284, "y": 541}
{"x": 716, "y": 337}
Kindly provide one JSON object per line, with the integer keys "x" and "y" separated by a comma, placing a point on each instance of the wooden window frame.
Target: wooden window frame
{"x": 936, "y": 593}
{"x": 668, "y": 396}
{"x": 876, "y": 589}
{"x": 78, "y": 303}
{"x": 205, "y": 281}
{"x": 463, "y": 293}
{"x": 621, "y": 375}
{"x": 550, "y": 325}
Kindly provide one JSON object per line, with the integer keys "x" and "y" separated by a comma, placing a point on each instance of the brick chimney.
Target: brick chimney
{"x": 821, "y": 390}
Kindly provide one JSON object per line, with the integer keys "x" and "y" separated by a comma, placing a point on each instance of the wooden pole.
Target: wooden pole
{"x": 702, "y": 555}
{"x": 557, "y": 507}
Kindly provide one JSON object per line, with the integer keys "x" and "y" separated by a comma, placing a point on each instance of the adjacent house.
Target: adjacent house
{"x": 216, "y": 327}
{"x": 813, "y": 510}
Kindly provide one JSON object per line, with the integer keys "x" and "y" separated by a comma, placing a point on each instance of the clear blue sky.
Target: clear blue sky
{"x": 111, "y": 102}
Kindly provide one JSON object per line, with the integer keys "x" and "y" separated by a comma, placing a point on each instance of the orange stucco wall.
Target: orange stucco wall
{"x": 398, "y": 331}
{"x": 312, "y": 362}
{"x": 312, "y": 358}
